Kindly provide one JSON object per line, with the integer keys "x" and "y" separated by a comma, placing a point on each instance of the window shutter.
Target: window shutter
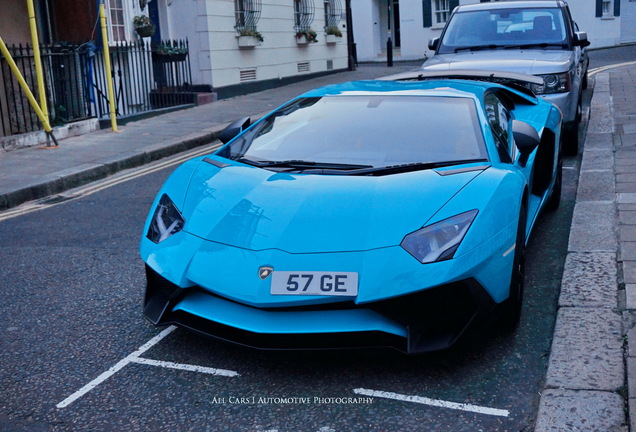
{"x": 599, "y": 8}
{"x": 427, "y": 13}
{"x": 617, "y": 8}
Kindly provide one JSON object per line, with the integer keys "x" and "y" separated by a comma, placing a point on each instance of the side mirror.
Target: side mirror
{"x": 433, "y": 44}
{"x": 235, "y": 128}
{"x": 580, "y": 39}
{"x": 526, "y": 139}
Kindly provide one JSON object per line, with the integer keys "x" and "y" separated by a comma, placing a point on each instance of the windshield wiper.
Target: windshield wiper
{"x": 479, "y": 47}
{"x": 537, "y": 45}
{"x": 303, "y": 164}
{"x": 412, "y": 166}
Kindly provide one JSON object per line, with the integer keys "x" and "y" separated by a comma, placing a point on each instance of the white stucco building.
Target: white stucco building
{"x": 213, "y": 28}
{"x": 412, "y": 23}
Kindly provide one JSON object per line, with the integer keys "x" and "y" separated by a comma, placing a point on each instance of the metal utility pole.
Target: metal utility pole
{"x": 109, "y": 75}
{"x": 389, "y": 43}
{"x": 35, "y": 41}
{"x": 351, "y": 45}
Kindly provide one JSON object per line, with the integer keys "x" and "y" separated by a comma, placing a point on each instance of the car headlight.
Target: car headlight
{"x": 552, "y": 83}
{"x": 438, "y": 242}
{"x": 166, "y": 220}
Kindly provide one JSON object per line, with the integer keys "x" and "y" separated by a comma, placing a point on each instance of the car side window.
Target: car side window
{"x": 500, "y": 121}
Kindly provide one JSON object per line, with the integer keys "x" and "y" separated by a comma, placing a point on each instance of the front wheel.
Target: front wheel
{"x": 511, "y": 307}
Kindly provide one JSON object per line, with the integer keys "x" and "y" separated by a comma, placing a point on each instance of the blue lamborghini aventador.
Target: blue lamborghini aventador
{"x": 391, "y": 212}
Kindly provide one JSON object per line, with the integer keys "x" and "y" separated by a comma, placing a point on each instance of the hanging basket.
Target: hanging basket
{"x": 145, "y": 31}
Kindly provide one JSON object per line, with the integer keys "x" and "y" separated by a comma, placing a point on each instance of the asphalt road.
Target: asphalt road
{"x": 608, "y": 56}
{"x": 72, "y": 283}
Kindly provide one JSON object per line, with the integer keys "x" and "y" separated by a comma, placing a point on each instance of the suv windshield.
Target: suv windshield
{"x": 362, "y": 131}
{"x": 505, "y": 28}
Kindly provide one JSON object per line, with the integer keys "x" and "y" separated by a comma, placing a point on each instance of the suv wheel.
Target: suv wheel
{"x": 570, "y": 133}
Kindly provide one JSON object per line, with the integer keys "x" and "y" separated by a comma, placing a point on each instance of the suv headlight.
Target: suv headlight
{"x": 552, "y": 83}
{"x": 438, "y": 242}
{"x": 166, "y": 220}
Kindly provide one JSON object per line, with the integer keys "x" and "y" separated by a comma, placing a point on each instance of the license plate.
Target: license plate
{"x": 314, "y": 283}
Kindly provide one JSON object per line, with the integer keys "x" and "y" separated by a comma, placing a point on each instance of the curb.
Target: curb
{"x": 585, "y": 380}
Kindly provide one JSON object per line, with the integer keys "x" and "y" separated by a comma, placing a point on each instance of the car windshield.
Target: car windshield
{"x": 505, "y": 28}
{"x": 363, "y": 131}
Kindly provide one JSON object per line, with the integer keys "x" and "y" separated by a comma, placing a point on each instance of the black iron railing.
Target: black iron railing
{"x": 76, "y": 82}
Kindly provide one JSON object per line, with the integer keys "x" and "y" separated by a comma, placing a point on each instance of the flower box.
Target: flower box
{"x": 331, "y": 39}
{"x": 248, "y": 41}
{"x": 302, "y": 40}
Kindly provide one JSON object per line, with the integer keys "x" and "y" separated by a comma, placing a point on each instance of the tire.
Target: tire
{"x": 571, "y": 139}
{"x": 555, "y": 196}
{"x": 570, "y": 133}
{"x": 511, "y": 307}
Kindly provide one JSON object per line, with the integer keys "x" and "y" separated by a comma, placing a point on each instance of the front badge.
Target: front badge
{"x": 264, "y": 272}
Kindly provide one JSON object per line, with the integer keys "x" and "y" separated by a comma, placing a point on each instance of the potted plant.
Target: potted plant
{"x": 143, "y": 26}
{"x": 304, "y": 37}
{"x": 169, "y": 51}
{"x": 249, "y": 37}
{"x": 332, "y": 34}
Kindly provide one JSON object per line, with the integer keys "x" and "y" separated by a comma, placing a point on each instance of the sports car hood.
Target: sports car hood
{"x": 532, "y": 62}
{"x": 257, "y": 209}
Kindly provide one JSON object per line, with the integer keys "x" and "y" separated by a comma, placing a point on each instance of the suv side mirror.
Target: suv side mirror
{"x": 526, "y": 139}
{"x": 433, "y": 44}
{"x": 233, "y": 129}
{"x": 580, "y": 39}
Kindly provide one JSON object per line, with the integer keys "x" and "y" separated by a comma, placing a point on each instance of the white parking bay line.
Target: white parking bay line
{"x": 185, "y": 367}
{"x": 135, "y": 358}
{"x": 433, "y": 402}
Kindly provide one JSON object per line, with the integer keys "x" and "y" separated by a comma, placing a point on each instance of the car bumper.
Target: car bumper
{"x": 426, "y": 321}
{"x": 566, "y": 102}
{"x": 215, "y": 289}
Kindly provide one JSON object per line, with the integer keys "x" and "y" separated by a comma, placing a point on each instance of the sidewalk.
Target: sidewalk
{"x": 586, "y": 387}
{"x": 591, "y": 378}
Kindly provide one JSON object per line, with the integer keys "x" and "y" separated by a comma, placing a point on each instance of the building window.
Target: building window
{"x": 247, "y": 12}
{"x": 303, "y": 14}
{"x": 333, "y": 13}
{"x": 117, "y": 20}
{"x": 608, "y": 9}
{"x": 441, "y": 11}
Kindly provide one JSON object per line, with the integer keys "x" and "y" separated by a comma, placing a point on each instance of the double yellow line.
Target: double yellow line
{"x": 600, "y": 69}
{"x": 108, "y": 182}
